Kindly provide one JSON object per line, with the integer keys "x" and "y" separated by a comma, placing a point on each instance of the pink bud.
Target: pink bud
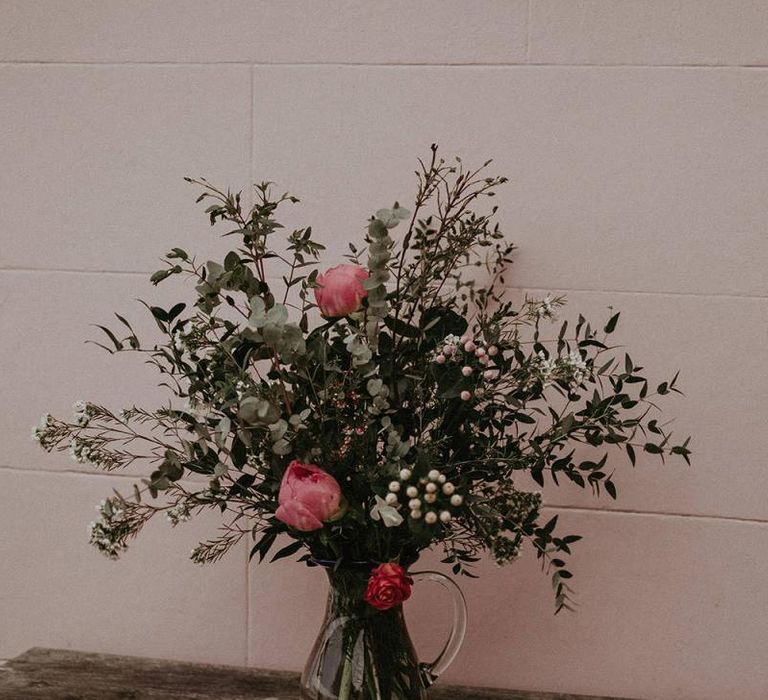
{"x": 484, "y": 360}
{"x": 480, "y": 352}
{"x": 488, "y": 374}
{"x": 440, "y": 359}
{"x": 493, "y": 350}
{"x": 340, "y": 290}
{"x": 466, "y": 371}
{"x": 466, "y": 395}
{"x": 449, "y": 349}
{"x": 469, "y": 346}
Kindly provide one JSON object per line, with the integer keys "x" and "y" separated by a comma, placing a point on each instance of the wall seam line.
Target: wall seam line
{"x": 639, "y": 292}
{"x": 71, "y": 472}
{"x": 529, "y": 10}
{"x": 393, "y": 64}
{"x": 548, "y": 506}
{"x": 657, "y": 514}
{"x": 251, "y": 166}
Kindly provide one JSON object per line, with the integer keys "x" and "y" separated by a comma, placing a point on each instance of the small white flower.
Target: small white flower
{"x": 386, "y": 513}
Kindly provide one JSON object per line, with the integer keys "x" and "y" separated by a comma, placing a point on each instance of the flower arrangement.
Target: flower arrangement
{"x": 392, "y": 404}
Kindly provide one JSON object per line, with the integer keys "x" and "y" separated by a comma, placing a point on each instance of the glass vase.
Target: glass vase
{"x": 362, "y": 653}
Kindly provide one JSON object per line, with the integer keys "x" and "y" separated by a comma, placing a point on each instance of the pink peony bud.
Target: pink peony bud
{"x": 480, "y": 352}
{"x": 466, "y": 371}
{"x": 493, "y": 350}
{"x": 488, "y": 374}
{"x": 340, "y": 290}
{"x": 469, "y": 346}
{"x": 449, "y": 349}
{"x": 308, "y": 496}
{"x": 466, "y": 395}
{"x": 440, "y": 359}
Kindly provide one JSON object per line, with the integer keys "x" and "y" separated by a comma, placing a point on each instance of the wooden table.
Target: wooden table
{"x": 56, "y": 674}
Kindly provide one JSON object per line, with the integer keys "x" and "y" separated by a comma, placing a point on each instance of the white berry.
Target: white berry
{"x": 411, "y": 492}
{"x": 493, "y": 350}
{"x": 416, "y": 514}
{"x": 457, "y": 500}
{"x": 431, "y": 488}
{"x": 430, "y": 498}
{"x": 405, "y": 474}
{"x": 445, "y": 516}
{"x": 391, "y": 499}
{"x": 430, "y": 518}
{"x": 448, "y": 488}
{"x": 441, "y": 479}
{"x": 433, "y": 475}
{"x": 414, "y": 504}
{"x": 394, "y": 486}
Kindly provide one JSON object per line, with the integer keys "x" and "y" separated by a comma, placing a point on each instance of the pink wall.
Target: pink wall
{"x": 634, "y": 135}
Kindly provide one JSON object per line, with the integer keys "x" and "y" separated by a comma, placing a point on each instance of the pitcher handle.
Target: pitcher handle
{"x": 431, "y": 671}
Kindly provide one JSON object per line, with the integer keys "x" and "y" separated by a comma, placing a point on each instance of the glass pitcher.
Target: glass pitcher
{"x": 366, "y": 654}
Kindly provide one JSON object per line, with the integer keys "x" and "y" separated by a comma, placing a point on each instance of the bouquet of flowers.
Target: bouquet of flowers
{"x": 394, "y": 403}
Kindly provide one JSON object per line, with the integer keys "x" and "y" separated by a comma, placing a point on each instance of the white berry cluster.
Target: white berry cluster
{"x": 473, "y": 355}
{"x": 429, "y": 497}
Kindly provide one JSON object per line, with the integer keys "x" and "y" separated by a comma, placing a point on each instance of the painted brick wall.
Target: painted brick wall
{"x": 634, "y": 135}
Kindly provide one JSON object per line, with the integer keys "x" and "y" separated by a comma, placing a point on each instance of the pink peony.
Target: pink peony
{"x": 308, "y": 496}
{"x": 340, "y": 290}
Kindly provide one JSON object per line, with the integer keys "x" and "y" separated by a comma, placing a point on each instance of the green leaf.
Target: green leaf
{"x": 288, "y": 550}
{"x": 612, "y": 321}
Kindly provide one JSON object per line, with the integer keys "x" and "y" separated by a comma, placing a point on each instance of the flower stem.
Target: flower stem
{"x": 346, "y": 678}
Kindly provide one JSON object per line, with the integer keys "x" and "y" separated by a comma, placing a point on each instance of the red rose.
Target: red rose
{"x": 388, "y": 586}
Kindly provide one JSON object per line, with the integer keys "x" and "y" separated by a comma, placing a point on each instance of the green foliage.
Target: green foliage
{"x": 438, "y": 385}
